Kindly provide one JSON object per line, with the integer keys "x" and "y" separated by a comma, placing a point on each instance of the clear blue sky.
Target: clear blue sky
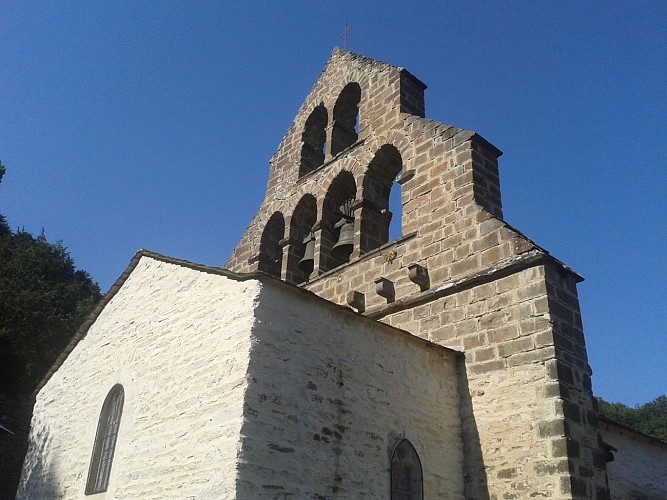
{"x": 150, "y": 124}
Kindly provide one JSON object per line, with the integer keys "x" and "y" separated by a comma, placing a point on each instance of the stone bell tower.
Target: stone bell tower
{"x": 458, "y": 276}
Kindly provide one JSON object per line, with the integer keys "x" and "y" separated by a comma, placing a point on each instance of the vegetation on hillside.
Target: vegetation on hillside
{"x": 649, "y": 418}
{"x": 43, "y": 300}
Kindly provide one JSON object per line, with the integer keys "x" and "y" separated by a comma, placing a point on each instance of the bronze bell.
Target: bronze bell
{"x": 345, "y": 244}
{"x": 306, "y": 264}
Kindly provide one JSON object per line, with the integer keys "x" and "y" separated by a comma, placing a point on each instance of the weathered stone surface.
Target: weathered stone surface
{"x": 264, "y": 389}
{"x": 489, "y": 292}
{"x": 184, "y": 377}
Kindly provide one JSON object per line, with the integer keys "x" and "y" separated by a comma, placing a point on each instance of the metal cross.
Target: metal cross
{"x": 344, "y": 35}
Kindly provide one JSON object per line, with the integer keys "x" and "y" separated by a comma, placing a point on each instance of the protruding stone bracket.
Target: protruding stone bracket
{"x": 522, "y": 245}
{"x": 406, "y": 176}
{"x": 321, "y": 225}
{"x": 253, "y": 259}
{"x": 385, "y": 288}
{"x": 288, "y": 241}
{"x": 419, "y": 275}
{"x": 356, "y": 300}
{"x": 364, "y": 203}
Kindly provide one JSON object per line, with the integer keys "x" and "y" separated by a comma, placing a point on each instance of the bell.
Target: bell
{"x": 345, "y": 244}
{"x": 306, "y": 264}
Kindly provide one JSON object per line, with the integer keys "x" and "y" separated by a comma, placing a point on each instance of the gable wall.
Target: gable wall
{"x": 381, "y": 107}
{"x": 178, "y": 342}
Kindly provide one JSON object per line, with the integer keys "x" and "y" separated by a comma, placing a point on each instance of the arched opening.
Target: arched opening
{"x": 338, "y": 220}
{"x": 105, "y": 441}
{"x": 383, "y": 208}
{"x": 346, "y": 118}
{"x": 270, "y": 251}
{"x": 313, "y": 140}
{"x": 406, "y": 473}
{"x": 395, "y": 209}
{"x": 300, "y": 265}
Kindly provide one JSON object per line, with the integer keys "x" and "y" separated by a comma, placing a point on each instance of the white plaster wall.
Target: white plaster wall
{"x": 639, "y": 468}
{"x": 329, "y": 396}
{"x": 178, "y": 341}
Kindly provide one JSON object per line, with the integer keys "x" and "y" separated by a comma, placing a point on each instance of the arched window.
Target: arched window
{"x": 406, "y": 473}
{"x": 105, "y": 441}
{"x": 313, "y": 140}
{"x": 300, "y": 265}
{"x": 270, "y": 253}
{"x": 338, "y": 220}
{"x": 379, "y": 183}
{"x": 346, "y": 118}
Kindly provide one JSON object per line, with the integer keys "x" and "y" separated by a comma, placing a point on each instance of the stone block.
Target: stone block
{"x": 506, "y": 349}
{"x": 535, "y": 356}
{"x": 482, "y": 368}
{"x": 551, "y": 428}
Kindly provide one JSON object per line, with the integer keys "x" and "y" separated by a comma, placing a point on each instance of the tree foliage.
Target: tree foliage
{"x": 43, "y": 300}
{"x": 649, "y": 418}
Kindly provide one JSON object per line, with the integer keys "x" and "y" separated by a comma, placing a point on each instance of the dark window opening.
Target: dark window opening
{"x": 346, "y": 118}
{"x": 313, "y": 141}
{"x": 105, "y": 441}
{"x": 406, "y": 473}
{"x": 270, "y": 251}
{"x": 338, "y": 221}
{"x": 300, "y": 259}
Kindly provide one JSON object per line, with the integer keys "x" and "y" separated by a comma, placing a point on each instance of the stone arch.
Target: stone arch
{"x": 336, "y": 207}
{"x": 301, "y": 226}
{"x": 270, "y": 251}
{"x": 377, "y": 184}
{"x": 406, "y": 473}
{"x": 313, "y": 140}
{"x": 345, "y": 129}
{"x": 398, "y": 139}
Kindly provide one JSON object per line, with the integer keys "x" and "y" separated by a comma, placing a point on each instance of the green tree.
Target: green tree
{"x": 43, "y": 300}
{"x": 649, "y": 418}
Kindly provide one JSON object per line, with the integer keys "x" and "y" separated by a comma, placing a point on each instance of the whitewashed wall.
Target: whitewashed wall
{"x": 244, "y": 389}
{"x": 639, "y": 468}
{"x": 178, "y": 341}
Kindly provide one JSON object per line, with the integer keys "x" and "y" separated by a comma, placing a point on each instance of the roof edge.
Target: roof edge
{"x": 610, "y": 422}
{"x": 220, "y": 271}
{"x": 115, "y": 288}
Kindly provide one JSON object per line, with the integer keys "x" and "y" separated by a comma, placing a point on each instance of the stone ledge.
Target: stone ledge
{"x": 505, "y": 269}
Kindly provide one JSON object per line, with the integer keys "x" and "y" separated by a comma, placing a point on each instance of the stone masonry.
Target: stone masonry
{"x": 459, "y": 276}
{"x": 241, "y": 386}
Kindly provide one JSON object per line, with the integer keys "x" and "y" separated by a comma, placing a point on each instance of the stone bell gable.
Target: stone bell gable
{"x": 458, "y": 276}
{"x": 359, "y": 128}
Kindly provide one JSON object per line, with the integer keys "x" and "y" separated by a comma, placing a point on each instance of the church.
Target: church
{"x": 331, "y": 358}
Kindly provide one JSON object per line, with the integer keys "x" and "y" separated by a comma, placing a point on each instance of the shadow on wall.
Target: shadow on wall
{"x": 303, "y": 427}
{"x": 300, "y": 427}
{"x": 476, "y": 485}
{"x": 37, "y": 481}
{"x": 15, "y": 416}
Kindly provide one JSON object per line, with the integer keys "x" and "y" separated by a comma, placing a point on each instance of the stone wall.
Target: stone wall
{"x": 331, "y": 395}
{"x": 178, "y": 341}
{"x": 639, "y": 468}
{"x": 459, "y": 276}
{"x": 237, "y": 388}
